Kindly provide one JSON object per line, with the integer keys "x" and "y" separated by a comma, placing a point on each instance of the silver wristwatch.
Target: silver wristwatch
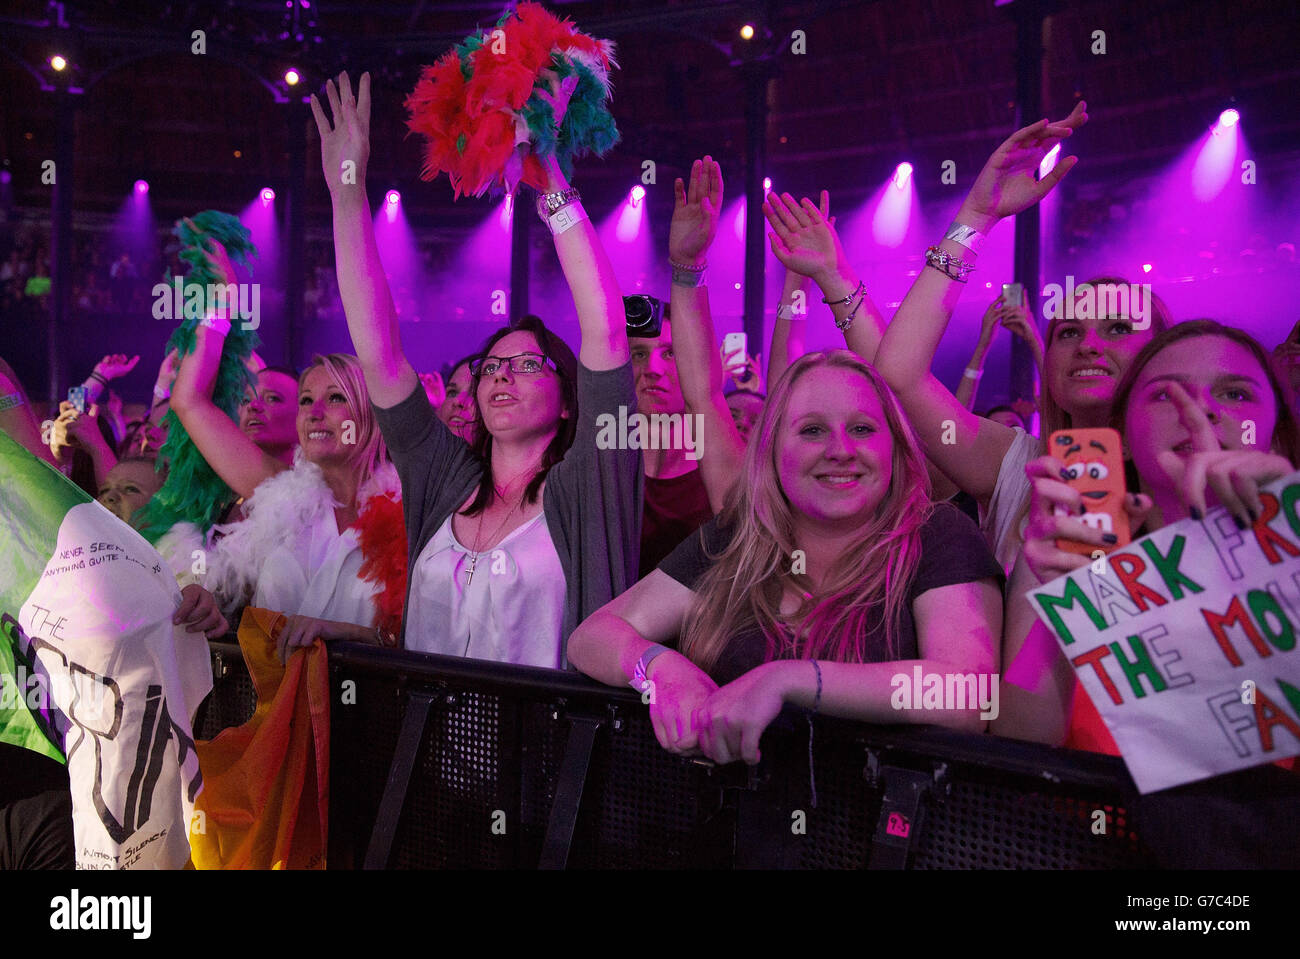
{"x": 550, "y": 203}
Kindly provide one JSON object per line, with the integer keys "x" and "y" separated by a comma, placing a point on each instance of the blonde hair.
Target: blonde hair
{"x": 868, "y": 585}
{"x": 345, "y": 370}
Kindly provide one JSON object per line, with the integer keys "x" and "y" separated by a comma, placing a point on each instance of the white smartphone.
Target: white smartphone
{"x": 1013, "y": 294}
{"x": 732, "y": 342}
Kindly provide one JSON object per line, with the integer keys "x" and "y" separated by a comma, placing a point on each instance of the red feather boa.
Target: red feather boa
{"x": 381, "y": 532}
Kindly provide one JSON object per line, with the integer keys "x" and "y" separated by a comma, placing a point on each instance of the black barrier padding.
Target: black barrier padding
{"x": 492, "y": 752}
{"x": 233, "y": 698}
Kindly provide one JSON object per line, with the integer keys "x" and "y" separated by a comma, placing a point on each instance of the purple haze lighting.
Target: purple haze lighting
{"x": 141, "y": 186}
{"x": 1048, "y": 163}
{"x": 5, "y": 176}
{"x": 637, "y": 195}
{"x": 506, "y": 216}
{"x": 1215, "y": 163}
{"x": 902, "y": 174}
{"x": 267, "y": 195}
{"x": 1229, "y": 118}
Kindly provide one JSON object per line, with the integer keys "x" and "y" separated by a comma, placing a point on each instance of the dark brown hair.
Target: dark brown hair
{"x": 566, "y": 368}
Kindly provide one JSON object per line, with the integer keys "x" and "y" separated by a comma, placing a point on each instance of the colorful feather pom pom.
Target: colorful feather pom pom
{"x": 193, "y": 492}
{"x": 482, "y": 107}
{"x": 381, "y": 534}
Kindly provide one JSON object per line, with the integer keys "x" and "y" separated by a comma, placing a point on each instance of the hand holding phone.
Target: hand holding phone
{"x": 1094, "y": 465}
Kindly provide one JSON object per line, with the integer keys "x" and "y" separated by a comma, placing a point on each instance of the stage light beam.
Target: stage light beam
{"x": 902, "y": 173}
{"x": 141, "y": 186}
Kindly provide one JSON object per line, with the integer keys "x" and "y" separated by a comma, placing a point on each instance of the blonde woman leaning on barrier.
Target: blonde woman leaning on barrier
{"x": 828, "y": 582}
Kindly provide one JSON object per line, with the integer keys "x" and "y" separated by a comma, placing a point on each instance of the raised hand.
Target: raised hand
{"x": 1007, "y": 184}
{"x": 991, "y": 320}
{"x": 434, "y": 388}
{"x": 1235, "y": 475}
{"x": 803, "y": 236}
{"x": 695, "y": 213}
{"x": 116, "y": 365}
{"x": 745, "y": 371}
{"x": 347, "y": 140}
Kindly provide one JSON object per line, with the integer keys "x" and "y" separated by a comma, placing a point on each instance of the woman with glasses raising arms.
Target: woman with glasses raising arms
{"x": 519, "y": 536}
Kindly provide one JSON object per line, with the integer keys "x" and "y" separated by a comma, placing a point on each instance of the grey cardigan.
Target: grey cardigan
{"x": 592, "y": 498}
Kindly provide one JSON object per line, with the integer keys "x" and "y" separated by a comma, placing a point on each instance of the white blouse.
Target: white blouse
{"x": 511, "y": 610}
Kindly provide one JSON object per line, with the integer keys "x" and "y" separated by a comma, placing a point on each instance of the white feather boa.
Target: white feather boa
{"x": 278, "y": 511}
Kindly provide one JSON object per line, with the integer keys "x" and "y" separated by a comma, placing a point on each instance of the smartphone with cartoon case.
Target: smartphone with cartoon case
{"x": 1094, "y": 465}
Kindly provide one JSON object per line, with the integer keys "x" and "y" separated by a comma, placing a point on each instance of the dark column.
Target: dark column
{"x": 1028, "y": 239}
{"x": 61, "y": 277}
{"x": 757, "y": 76}
{"x": 295, "y": 235}
{"x": 521, "y": 218}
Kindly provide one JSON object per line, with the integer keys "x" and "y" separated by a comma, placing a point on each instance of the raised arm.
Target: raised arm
{"x": 699, "y": 368}
{"x": 970, "y": 380}
{"x": 17, "y": 419}
{"x": 585, "y": 264}
{"x": 234, "y": 457}
{"x": 803, "y": 238}
{"x": 1005, "y": 186}
{"x": 363, "y": 285}
{"x": 790, "y": 326}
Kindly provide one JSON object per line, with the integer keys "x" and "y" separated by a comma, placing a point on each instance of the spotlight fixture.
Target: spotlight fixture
{"x": 291, "y": 77}
{"x": 392, "y": 198}
{"x": 1146, "y": 267}
{"x": 268, "y": 195}
{"x": 747, "y": 32}
{"x": 902, "y": 173}
{"x": 141, "y": 186}
{"x": 637, "y": 195}
{"x": 1229, "y": 117}
{"x": 767, "y": 184}
{"x": 58, "y": 62}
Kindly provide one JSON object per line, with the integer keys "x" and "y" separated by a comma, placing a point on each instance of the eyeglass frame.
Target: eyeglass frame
{"x": 476, "y": 364}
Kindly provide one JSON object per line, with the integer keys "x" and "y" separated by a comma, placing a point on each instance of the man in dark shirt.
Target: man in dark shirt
{"x": 676, "y": 500}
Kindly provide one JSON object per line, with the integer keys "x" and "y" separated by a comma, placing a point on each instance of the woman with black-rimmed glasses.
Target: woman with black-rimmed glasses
{"x": 518, "y": 537}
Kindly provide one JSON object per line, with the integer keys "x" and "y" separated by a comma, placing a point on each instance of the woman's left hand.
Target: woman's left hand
{"x": 695, "y": 213}
{"x": 199, "y": 613}
{"x": 732, "y": 720}
{"x": 1235, "y": 475}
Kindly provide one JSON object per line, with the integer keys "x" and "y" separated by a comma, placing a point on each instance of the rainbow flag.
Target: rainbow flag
{"x": 92, "y": 671}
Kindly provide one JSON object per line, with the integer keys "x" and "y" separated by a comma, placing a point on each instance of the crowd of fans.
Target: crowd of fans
{"x": 756, "y": 537}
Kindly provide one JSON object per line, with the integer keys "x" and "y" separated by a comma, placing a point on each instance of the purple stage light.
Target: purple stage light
{"x": 392, "y": 197}
{"x": 767, "y": 184}
{"x": 291, "y": 77}
{"x": 1146, "y": 267}
{"x": 267, "y": 195}
{"x": 902, "y": 173}
{"x": 58, "y": 62}
{"x": 637, "y": 195}
{"x": 1229, "y": 118}
{"x": 1048, "y": 163}
{"x": 506, "y": 216}
{"x": 141, "y": 186}
{"x": 5, "y": 176}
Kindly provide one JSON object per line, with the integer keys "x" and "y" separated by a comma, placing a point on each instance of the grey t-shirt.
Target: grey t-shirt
{"x": 592, "y": 499}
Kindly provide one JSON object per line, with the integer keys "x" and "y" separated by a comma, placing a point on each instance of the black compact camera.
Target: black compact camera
{"x": 645, "y": 315}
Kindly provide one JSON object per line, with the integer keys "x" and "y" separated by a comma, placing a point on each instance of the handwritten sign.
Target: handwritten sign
{"x": 1186, "y": 642}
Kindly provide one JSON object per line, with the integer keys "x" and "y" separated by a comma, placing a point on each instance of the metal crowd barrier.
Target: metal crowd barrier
{"x": 440, "y": 762}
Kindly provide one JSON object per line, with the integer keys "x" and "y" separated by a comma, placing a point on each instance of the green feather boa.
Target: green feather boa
{"x": 193, "y": 491}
